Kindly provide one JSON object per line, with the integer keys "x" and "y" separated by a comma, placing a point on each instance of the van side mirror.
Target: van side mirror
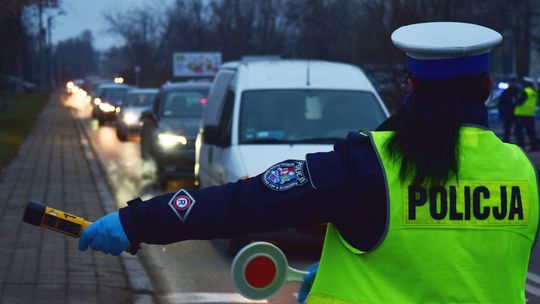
{"x": 213, "y": 136}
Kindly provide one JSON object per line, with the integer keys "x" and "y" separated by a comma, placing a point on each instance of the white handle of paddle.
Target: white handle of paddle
{"x": 294, "y": 275}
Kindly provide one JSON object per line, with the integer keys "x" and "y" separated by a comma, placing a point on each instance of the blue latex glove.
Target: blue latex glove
{"x": 307, "y": 282}
{"x": 106, "y": 234}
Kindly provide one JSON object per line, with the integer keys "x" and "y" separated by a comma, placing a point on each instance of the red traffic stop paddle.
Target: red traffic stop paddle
{"x": 260, "y": 269}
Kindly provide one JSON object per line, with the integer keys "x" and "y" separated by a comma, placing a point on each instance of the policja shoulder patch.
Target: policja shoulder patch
{"x": 181, "y": 204}
{"x": 285, "y": 175}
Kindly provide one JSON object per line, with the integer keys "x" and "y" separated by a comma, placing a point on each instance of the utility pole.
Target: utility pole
{"x": 49, "y": 53}
{"x": 41, "y": 46}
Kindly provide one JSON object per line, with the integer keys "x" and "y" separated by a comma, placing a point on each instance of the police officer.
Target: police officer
{"x": 421, "y": 211}
{"x": 507, "y": 103}
{"x": 524, "y": 113}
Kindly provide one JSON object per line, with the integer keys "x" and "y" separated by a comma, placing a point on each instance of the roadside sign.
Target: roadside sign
{"x": 196, "y": 64}
{"x": 260, "y": 269}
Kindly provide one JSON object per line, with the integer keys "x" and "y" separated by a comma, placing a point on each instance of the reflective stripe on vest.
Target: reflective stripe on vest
{"x": 464, "y": 242}
{"x": 527, "y": 108}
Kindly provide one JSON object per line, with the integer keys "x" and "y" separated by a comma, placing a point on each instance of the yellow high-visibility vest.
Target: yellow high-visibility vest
{"x": 527, "y": 108}
{"x": 468, "y": 241}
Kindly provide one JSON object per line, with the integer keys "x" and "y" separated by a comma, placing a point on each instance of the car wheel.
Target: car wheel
{"x": 145, "y": 149}
{"x": 122, "y": 136}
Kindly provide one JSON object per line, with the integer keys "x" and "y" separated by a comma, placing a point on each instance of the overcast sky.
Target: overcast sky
{"x": 88, "y": 14}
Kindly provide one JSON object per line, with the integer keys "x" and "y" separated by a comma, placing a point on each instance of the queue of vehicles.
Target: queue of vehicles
{"x": 253, "y": 115}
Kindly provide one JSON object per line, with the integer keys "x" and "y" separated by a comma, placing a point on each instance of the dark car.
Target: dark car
{"x": 134, "y": 103}
{"x": 92, "y": 87}
{"x": 170, "y": 128}
{"x": 109, "y": 101}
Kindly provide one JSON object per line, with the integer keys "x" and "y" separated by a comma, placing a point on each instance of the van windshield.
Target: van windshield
{"x": 306, "y": 116}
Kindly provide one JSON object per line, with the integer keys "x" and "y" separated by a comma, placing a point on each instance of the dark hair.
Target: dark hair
{"x": 426, "y": 134}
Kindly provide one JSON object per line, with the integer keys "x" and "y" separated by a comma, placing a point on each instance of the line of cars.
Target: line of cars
{"x": 251, "y": 116}
{"x": 167, "y": 119}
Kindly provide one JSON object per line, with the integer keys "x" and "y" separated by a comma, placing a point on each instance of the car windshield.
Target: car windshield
{"x": 306, "y": 116}
{"x": 185, "y": 103}
{"x": 113, "y": 93}
{"x": 139, "y": 99}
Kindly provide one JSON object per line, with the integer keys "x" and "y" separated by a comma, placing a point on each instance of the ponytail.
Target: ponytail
{"x": 426, "y": 138}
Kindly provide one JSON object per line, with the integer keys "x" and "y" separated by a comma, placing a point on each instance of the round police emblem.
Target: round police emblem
{"x": 285, "y": 175}
{"x": 182, "y": 202}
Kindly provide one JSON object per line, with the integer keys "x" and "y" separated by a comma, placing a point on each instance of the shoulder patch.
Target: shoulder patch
{"x": 285, "y": 175}
{"x": 181, "y": 204}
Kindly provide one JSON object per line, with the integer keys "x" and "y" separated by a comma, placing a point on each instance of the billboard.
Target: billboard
{"x": 196, "y": 64}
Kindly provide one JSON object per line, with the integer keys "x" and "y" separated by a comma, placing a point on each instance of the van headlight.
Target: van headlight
{"x": 130, "y": 118}
{"x": 106, "y": 107}
{"x": 168, "y": 140}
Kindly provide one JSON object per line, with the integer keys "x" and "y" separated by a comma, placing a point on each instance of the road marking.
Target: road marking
{"x": 533, "y": 277}
{"x": 208, "y": 297}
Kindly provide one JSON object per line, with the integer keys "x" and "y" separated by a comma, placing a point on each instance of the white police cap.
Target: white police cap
{"x": 446, "y": 49}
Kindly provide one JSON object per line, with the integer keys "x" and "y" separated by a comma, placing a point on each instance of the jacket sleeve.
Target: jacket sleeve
{"x": 288, "y": 194}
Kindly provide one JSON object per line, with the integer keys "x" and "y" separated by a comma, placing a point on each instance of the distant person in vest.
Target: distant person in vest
{"x": 431, "y": 208}
{"x": 507, "y": 103}
{"x": 524, "y": 113}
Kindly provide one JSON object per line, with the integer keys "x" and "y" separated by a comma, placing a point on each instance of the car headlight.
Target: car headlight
{"x": 130, "y": 118}
{"x": 97, "y": 101}
{"x": 168, "y": 140}
{"x": 106, "y": 107}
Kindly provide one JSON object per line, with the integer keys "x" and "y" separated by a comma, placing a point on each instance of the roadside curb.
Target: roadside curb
{"x": 136, "y": 273}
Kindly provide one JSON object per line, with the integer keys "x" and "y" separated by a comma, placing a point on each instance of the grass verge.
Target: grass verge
{"x": 17, "y": 121}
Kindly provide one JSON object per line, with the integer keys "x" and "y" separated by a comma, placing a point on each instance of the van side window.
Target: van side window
{"x": 225, "y": 121}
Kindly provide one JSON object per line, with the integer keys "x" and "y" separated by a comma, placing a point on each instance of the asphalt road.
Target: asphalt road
{"x": 197, "y": 271}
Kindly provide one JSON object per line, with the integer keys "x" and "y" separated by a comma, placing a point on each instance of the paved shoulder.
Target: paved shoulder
{"x": 40, "y": 266}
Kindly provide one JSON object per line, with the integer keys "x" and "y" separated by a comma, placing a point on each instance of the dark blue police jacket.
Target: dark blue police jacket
{"x": 344, "y": 186}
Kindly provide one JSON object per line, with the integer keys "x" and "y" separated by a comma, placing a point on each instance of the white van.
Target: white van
{"x": 263, "y": 112}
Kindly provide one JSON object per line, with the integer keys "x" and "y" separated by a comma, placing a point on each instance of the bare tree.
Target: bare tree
{"x": 143, "y": 30}
{"x": 75, "y": 57}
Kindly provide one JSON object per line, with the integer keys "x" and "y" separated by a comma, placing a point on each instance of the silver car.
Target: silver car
{"x": 134, "y": 103}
